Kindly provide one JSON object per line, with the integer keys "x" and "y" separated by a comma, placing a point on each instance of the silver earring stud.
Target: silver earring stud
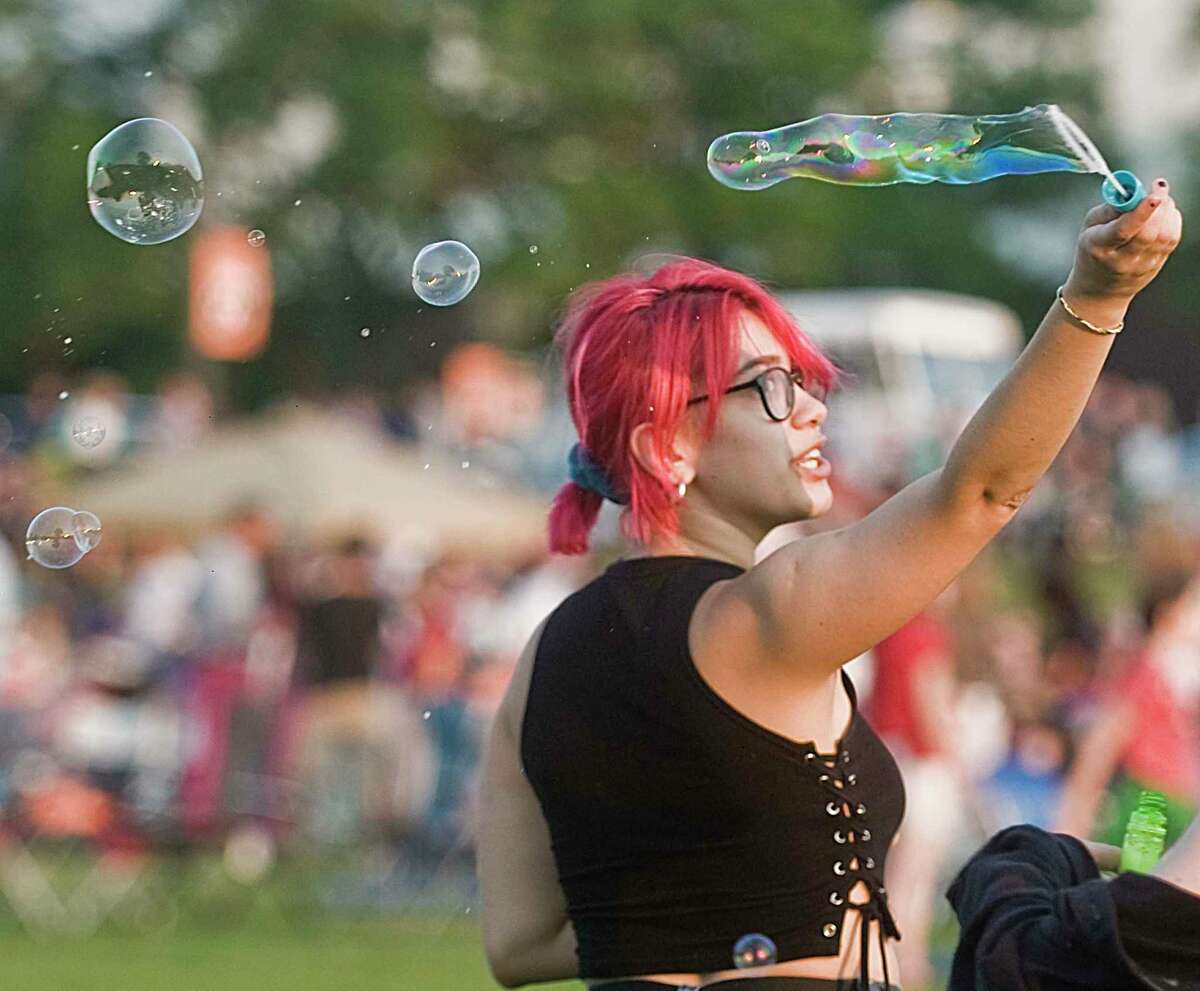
{"x": 682, "y": 489}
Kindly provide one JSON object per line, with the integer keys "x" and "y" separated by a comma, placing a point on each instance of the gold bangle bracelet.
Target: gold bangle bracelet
{"x": 1090, "y": 326}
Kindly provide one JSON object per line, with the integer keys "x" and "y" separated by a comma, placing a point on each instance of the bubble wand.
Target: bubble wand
{"x": 918, "y": 147}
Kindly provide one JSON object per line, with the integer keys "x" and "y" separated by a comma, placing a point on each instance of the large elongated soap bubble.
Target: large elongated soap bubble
{"x": 144, "y": 182}
{"x": 916, "y": 147}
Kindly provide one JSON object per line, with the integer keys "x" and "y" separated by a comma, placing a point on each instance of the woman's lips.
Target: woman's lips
{"x": 813, "y": 466}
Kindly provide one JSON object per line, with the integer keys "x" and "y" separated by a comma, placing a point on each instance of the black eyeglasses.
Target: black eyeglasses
{"x": 777, "y": 390}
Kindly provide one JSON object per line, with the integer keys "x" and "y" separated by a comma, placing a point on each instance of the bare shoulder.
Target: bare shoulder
{"x": 732, "y": 626}
{"x": 794, "y": 699}
{"x": 821, "y": 600}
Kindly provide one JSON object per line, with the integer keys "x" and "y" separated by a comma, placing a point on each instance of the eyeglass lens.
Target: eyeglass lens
{"x": 779, "y": 392}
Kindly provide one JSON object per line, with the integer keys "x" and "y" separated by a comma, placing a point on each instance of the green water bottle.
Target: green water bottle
{"x": 1146, "y": 833}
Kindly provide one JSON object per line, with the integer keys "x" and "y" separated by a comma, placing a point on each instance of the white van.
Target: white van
{"x": 919, "y": 363}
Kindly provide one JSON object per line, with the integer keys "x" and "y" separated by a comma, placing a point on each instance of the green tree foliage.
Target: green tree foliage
{"x": 577, "y": 127}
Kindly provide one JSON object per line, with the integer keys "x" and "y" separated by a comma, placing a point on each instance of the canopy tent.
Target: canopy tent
{"x": 323, "y": 476}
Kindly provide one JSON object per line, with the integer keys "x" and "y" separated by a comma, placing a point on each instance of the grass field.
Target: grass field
{"x": 189, "y": 927}
{"x": 201, "y": 932}
{"x": 401, "y": 953}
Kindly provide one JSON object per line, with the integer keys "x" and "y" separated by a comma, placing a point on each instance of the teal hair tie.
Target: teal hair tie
{"x": 587, "y": 474}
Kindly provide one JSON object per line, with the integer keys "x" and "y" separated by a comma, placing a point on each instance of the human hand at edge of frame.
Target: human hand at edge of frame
{"x": 1107, "y": 856}
{"x": 1119, "y": 254}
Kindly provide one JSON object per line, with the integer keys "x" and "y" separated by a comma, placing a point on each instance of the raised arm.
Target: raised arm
{"x": 821, "y": 600}
{"x": 1098, "y": 757}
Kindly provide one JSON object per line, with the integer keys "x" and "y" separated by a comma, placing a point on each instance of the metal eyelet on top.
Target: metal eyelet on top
{"x": 845, "y": 756}
{"x": 838, "y": 837}
{"x": 870, "y": 863}
{"x": 851, "y": 779}
{"x": 836, "y": 899}
{"x": 829, "y": 931}
{"x": 810, "y": 757}
{"x": 839, "y": 869}
{"x": 823, "y": 778}
{"x": 833, "y": 808}
{"x": 865, "y": 834}
{"x": 861, "y": 809}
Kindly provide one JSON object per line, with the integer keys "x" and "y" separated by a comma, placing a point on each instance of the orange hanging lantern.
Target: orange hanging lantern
{"x": 231, "y": 295}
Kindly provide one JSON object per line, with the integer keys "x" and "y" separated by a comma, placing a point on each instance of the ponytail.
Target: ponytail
{"x": 572, "y": 517}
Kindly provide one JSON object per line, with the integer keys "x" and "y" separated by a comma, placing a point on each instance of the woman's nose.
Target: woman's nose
{"x": 809, "y": 410}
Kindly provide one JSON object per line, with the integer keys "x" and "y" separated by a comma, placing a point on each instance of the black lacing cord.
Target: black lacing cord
{"x": 876, "y": 907}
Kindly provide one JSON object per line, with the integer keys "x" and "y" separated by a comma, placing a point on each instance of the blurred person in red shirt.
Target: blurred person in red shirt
{"x": 1146, "y": 731}
{"x": 913, "y": 707}
{"x": 439, "y": 663}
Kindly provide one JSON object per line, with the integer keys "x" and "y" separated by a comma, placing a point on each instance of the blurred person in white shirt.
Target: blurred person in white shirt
{"x": 161, "y": 595}
{"x": 232, "y": 563}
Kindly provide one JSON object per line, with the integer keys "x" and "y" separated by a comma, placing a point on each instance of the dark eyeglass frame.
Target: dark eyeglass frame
{"x": 796, "y": 377}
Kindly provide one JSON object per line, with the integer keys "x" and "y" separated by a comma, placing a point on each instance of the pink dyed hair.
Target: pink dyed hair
{"x": 633, "y": 345}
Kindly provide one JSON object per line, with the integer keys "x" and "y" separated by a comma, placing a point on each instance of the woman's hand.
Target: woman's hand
{"x": 1107, "y": 856}
{"x": 1119, "y": 254}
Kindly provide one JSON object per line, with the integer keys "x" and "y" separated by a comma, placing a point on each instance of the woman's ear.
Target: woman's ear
{"x": 681, "y": 456}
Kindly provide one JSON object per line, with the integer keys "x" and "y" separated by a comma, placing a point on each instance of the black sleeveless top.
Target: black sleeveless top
{"x": 678, "y": 824}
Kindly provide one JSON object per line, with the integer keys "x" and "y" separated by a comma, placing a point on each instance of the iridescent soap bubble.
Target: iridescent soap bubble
{"x": 85, "y": 528}
{"x": 88, "y": 431}
{"x": 444, "y": 273}
{"x": 53, "y": 537}
{"x": 144, "y": 182}
{"x": 915, "y": 147}
{"x": 754, "y": 950}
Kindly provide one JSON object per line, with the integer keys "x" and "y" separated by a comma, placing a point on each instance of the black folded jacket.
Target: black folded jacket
{"x": 1036, "y": 915}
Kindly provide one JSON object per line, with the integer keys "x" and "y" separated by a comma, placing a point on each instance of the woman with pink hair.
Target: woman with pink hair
{"x": 679, "y": 790}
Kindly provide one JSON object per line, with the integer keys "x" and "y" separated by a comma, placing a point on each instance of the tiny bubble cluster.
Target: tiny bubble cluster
{"x": 58, "y": 537}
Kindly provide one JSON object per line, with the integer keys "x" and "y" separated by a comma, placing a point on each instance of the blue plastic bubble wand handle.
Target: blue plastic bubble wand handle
{"x": 1132, "y": 194}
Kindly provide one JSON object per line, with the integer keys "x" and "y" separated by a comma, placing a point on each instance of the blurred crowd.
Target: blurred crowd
{"x": 169, "y": 688}
{"x": 173, "y": 686}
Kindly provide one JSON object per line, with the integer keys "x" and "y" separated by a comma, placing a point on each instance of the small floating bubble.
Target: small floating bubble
{"x": 754, "y": 950}
{"x": 445, "y": 272}
{"x": 51, "y": 538}
{"x": 256, "y": 238}
{"x": 145, "y": 184}
{"x": 88, "y": 431}
{"x": 85, "y": 528}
